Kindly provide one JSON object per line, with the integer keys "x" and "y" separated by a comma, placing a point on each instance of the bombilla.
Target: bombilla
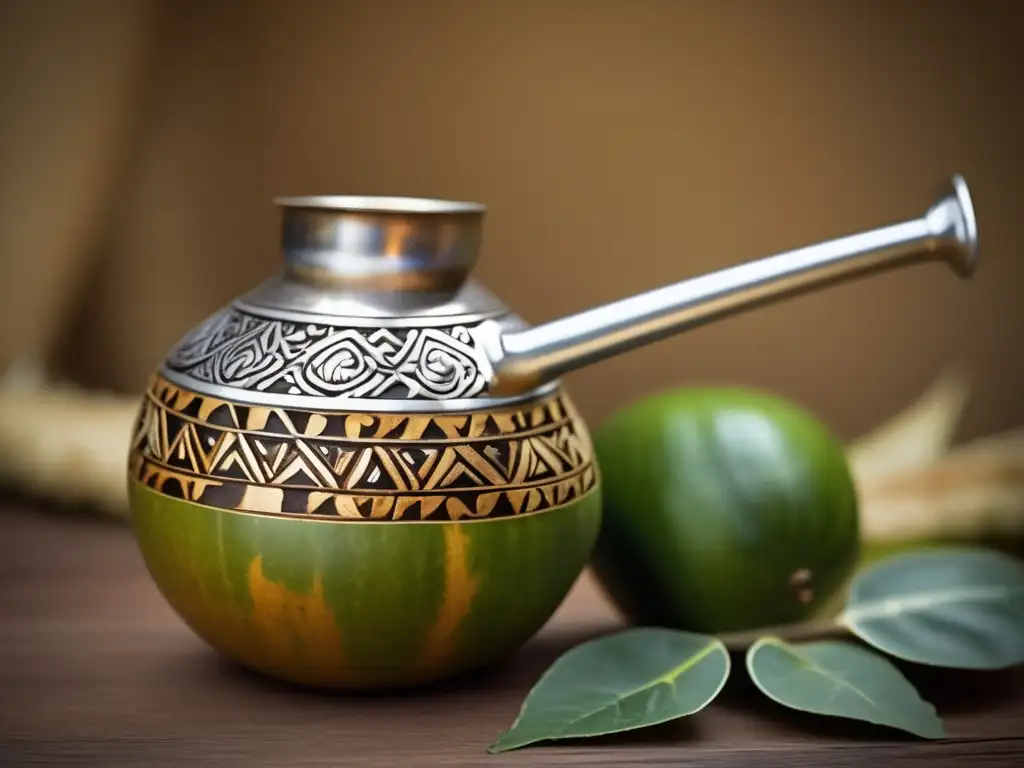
{"x": 522, "y": 360}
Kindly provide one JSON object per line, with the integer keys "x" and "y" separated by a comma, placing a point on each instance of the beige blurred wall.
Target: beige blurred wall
{"x": 619, "y": 145}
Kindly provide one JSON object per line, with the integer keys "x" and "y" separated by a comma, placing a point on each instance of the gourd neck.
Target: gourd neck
{"x": 380, "y": 244}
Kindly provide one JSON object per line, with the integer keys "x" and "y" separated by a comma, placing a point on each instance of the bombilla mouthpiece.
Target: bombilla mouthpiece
{"x": 525, "y": 359}
{"x": 953, "y": 223}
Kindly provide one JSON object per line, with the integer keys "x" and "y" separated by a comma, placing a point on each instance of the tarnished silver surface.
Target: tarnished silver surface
{"x": 947, "y": 232}
{"x": 375, "y": 309}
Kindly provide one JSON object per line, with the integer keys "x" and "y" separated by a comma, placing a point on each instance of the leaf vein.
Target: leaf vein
{"x": 812, "y": 666}
{"x": 923, "y": 601}
{"x": 666, "y": 678}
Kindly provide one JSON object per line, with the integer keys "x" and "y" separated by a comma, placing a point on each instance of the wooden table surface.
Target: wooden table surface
{"x": 96, "y": 670}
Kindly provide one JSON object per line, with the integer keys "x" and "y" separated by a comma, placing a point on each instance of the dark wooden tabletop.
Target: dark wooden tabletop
{"x": 96, "y": 670}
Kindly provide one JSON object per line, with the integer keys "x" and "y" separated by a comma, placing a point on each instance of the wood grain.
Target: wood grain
{"x": 96, "y": 670}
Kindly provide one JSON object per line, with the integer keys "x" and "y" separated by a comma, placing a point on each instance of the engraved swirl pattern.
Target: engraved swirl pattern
{"x": 245, "y": 351}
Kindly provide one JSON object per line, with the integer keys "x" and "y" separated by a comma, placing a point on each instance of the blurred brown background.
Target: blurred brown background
{"x": 620, "y": 144}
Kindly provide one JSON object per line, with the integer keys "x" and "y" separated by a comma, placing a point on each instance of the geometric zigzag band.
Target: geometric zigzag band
{"x": 504, "y": 462}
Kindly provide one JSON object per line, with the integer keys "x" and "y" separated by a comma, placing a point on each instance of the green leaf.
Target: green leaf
{"x": 961, "y": 608}
{"x": 632, "y": 679}
{"x": 840, "y": 680}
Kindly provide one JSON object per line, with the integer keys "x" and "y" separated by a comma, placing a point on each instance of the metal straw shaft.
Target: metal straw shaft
{"x": 525, "y": 359}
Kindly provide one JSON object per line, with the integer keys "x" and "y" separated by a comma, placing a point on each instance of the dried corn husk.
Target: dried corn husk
{"x": 974, "y": 492}
{"x": 914, "y": 438}
{"x": 915, "y": 488}
{"x": 64, "y": 445}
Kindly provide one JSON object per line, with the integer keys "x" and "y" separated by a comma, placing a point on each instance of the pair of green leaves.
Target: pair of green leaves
{"x": 645, "y": 676}
{"x": 946, "y": 608}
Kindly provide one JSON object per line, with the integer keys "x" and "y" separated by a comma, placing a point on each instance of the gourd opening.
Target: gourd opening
{"x": 374, "y": 243}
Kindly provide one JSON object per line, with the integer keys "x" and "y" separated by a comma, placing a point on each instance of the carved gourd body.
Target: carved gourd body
{"x": 325, "y": 491}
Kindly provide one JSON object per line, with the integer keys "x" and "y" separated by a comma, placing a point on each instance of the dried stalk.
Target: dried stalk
{"x": 914, "y": 438}
{"x": 974, "y": 492}
{"x": 64, "y": 445}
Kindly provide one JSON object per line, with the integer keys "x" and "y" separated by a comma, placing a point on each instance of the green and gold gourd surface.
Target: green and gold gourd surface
{"x": 362, "y": 550}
